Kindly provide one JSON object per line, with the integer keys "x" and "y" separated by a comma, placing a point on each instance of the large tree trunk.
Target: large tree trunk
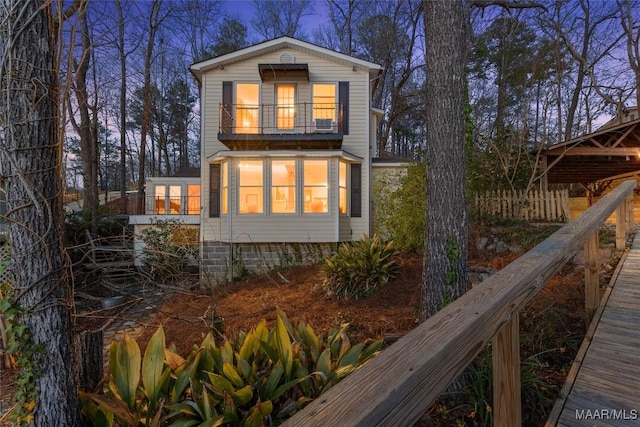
{"x": 445, "y": 257}
{"x": 32, "y": 165}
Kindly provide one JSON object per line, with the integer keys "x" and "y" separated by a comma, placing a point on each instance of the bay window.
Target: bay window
{"x": 316, "y": 187}
{"x": 225, "y": 187}
{"x": 342, "y": 187}
{"x": 251, "y": 186}
{"x": 283, "y": 186}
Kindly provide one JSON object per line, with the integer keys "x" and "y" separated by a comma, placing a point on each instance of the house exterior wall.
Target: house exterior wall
{"x": 299, "y": 228}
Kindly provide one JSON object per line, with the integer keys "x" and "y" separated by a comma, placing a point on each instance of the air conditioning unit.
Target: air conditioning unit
{"x": 323, "y": 125}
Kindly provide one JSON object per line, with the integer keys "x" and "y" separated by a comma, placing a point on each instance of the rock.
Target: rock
{"x": 497, "y": 230}
{"x": 482, "y": 243}
{"x": 516, "y": 249}
{"x": 501, "y": 247}
{"x": 491, "y": 247}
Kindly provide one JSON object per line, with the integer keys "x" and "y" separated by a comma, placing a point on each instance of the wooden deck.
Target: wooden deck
{"x": 603, "y": 386}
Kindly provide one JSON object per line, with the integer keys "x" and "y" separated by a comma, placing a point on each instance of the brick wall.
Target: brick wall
{"x": 224, "y": 261}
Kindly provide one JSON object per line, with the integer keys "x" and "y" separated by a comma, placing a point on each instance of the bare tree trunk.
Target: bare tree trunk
{"x": 31, "y": 157}
{"x": 87, "y": 127}
{"x": 146, "y": 113}
{"x": 123, "y": 109}
{"x": 445, "y": 258}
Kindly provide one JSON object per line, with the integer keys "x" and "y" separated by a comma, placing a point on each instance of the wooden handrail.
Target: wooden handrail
{"x": 397, "y": 386}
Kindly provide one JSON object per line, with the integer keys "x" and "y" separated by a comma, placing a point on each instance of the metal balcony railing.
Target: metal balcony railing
{"x": 183, "y": 205}
{"x": 277, "y": 119}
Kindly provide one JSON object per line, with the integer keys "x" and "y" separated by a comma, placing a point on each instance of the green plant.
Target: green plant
{"x": 358, "y": 268}
{"x": 404, "y": 223}
{"x": 171, "y": 249}
{"x": 22, "y": 351}
{"x": 255, "y": 379}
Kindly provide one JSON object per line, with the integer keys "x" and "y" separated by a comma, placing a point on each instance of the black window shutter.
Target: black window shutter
{"x": 356, "y": 190}
{"x": 214, "y": 191}
{"x": 226, "y": 112}
{"x": 343, "y": 99}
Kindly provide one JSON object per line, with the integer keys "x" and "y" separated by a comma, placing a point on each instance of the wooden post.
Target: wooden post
{"x": 506, "y": 375}
{"x": 591, "y": 275}
{"x": 630, "y": 214}
{"x": 621, "y": 225}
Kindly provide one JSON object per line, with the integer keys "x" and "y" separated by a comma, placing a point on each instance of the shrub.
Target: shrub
{"x": 400, "y": 207}
{"x": 171, "y": 249}
{"x": 256, "y": 379}
{"x": 359, "y": 268}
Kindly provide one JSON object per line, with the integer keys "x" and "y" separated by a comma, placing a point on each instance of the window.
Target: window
{"x": 283, "y": 186}
{"x": 342, "y": 187}
{"x": 193, "y": 199}
{"x": 161, "y": 196}
{"x": 316, "y": 189}
{"x": 250, "y": 183}
{"x": 174, "y": 199}
{"x": 225, "y": 187}
{"x": 247, "y": 102}
{"x": 285, "y": 107}
{"x": 324, "y": 105}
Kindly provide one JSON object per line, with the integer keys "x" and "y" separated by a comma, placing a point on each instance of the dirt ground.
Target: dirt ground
{"x": 186, "y": 317}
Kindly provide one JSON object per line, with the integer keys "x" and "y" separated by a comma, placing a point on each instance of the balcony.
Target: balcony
{"x": 302, "y": 126}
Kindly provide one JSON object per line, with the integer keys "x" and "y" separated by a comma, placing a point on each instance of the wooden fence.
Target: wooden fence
{"x": 534, "y": 205}
{"x": 399, "y": 385}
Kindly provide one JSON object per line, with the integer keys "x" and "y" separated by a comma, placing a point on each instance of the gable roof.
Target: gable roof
{"x": 610, "y": 152}
{"x": 278, "y": 44}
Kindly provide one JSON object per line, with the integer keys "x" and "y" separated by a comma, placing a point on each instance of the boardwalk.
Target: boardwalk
{"x": 606, "y": 389}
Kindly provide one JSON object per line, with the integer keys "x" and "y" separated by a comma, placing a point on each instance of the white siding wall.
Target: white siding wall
{"x": 299, "y": 228}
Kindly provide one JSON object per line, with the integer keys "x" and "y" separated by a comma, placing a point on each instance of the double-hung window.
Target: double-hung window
{"x": 283, "y": 186}
{"x": 324, "y": 106}
{"x": 251, "y": 186}
{"x": 316, "y": 187}
{"x": 342, "y": 187}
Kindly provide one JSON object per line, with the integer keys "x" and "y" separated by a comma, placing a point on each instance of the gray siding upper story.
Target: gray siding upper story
{"x": 323, "y": 66}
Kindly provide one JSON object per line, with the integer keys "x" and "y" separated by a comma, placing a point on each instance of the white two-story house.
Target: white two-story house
{"x": 287, "y": 133}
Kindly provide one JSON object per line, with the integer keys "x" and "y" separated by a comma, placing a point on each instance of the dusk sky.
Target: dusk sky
{"x": 245, "y": 9}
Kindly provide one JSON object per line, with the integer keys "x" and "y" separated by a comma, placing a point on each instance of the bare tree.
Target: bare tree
{"x": 31, "y": 156}
{"x": 577, "y": 25}
{"x": 87, "y": 128}
{"x": 280, "y": 18}
{"x": 154, "y": 23}
{"x": 629, "y": 18}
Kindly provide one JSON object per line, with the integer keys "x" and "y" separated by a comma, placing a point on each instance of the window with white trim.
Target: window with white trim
{"x": 316, "y": 187}
{"x": 251, "y": 187}
{"x": 342, "y": 187}
{"x": 283, "y": 186}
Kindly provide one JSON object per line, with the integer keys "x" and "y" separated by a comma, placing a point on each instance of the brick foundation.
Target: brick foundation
{"x": 223, "y": 261}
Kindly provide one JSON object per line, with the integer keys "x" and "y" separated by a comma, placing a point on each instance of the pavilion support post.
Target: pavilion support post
{"x": 506, "y": 375}
{"x": 630, "y": 214}
{"x": 544, "y": 181}
{"x": 621, "y": 225}
{"x": 591, "y": 275}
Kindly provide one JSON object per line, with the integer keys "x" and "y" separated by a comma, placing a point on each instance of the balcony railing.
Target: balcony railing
{"x": 274, "y": 119}
{"x": 183, "y": 205}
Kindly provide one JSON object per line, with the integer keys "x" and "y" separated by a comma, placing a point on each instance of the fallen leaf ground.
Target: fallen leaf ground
{"x": 552, "y": 324}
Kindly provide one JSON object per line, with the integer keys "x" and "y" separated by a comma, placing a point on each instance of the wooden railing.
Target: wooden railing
{"x": 397, "y": 387}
